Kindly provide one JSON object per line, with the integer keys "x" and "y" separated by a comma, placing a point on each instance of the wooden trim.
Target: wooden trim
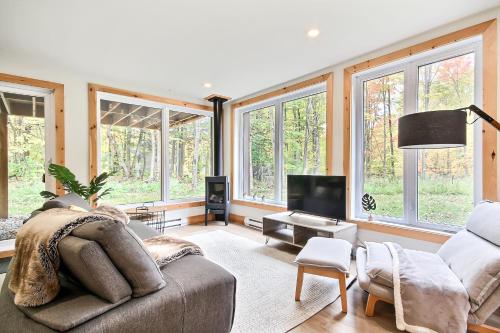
{"x": 328, "y": 78}
{"x": 282, "y": 91}
{"x": 432, "y": 236}
{"x": 58, "y": 90}
{"x": 93, "y": 88}
{"x": 209, "y": 97}
{"x": 259, "y": 205}
{"x": 488, "y": 30}
{"x": 298, "y": 284}
{"x": 490, "y": 58}
{"x": 329, "y": 125}
{"x": 450, "y": 38}
{"x": 238, "y": 219}
{"x": 347, "y": 139}
{"x": 149, "y": 97}
{"x": 198, "y": 219}
{"x": 7, "y": 254}
{"x": 173, "y": 206}
{"x": 370, "y": 312}
{"x": 4, "y": 172}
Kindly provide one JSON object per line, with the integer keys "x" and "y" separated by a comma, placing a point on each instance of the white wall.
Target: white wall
{"x": 338, "y": 71}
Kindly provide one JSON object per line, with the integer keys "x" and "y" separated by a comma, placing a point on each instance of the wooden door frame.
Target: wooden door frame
{"x": 488, "y": 31}
{"x": 58, "y": 90}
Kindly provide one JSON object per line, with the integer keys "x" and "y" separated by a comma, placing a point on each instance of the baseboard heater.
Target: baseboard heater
{"x": 253, "y": 222}
{"x": 162, "y": 225}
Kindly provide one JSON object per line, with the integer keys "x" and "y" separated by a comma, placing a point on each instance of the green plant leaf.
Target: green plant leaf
{"x": 48, "y": 195}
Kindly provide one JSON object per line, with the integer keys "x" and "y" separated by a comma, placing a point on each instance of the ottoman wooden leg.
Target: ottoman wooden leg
{"x": 300, "y": 278}
{"x": 343, "y": 292}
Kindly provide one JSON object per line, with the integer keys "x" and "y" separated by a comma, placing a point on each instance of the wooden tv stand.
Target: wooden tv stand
{"x": 296, "y": 229}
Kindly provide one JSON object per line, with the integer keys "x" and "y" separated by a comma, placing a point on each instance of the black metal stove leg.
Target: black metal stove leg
{"x": 206, "y": 213}
{"x": 226, "y": 215}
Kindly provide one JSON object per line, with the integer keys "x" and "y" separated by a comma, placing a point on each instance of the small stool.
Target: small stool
{"x": 326, "y": 257}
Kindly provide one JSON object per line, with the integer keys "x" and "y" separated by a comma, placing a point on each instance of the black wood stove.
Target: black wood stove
{"x": 217, "y": 198}
{"x": 217, "y": 187}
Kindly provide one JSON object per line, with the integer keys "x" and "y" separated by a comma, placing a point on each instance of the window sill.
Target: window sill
{"x": 260, "y": 205}
{"x": 428, "y": 235}
{"x": 170, "y": 206}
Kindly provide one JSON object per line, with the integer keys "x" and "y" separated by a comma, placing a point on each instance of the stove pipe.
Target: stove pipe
{"x": 217, "y": 133}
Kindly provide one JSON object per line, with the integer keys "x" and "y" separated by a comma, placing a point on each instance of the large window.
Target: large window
{"x": 155, "y": 152}
{"x": 280, "y": 137}
{"x": 131, "y": 151}
{"x": 189, "y": 154}
{"x": 427, "y": 188}
{"x": 27, "y": 145}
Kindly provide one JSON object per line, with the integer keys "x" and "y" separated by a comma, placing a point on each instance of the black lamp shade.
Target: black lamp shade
{"x": 432, "y": 130}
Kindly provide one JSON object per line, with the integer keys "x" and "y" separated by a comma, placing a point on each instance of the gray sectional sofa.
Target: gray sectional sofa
{"x": 196, "y": 296}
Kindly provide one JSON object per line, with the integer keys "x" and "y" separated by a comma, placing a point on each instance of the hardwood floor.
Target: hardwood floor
{"x": 331, "y": 318}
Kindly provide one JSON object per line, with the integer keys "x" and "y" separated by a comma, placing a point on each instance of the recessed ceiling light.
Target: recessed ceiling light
{"x": 313, "y": 33}
{"x": 207, "y": 85}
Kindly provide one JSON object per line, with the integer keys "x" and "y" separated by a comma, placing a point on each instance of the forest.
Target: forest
{"x": 303, "y": 144}
{"x": 133, "y": 156}
{"x": 445, "y": 176}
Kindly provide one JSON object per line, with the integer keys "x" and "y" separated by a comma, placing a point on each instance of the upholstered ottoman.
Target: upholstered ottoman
{"x": 326, "y": 257}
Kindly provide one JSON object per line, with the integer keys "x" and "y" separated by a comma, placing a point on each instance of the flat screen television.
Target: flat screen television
{"x": 317, "y": 195}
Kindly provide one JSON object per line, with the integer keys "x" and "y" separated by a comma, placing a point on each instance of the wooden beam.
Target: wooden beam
{"x": 147, "y": 117}
{"x": 4, "y": 172}
{"x": 113, "y": 108}
{"x": 5, "y": 103}
{"x": 127, "y": 115}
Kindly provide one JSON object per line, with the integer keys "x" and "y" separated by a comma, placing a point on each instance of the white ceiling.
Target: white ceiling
{"x": 240, "y": 46}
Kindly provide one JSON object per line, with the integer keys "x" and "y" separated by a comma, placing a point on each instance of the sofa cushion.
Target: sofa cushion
{"x": 485, "y": 221}
{"x": 70, "y": 199}
{"x": 127, "y": 252}
{"x": 88, "y": 263}
{"x": 379, "y": 263}
{"x": 476, "y": 262}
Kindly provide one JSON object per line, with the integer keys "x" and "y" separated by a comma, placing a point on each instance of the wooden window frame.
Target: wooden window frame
{"x": 58, "y": 90}
{"x": 488, "y": 31}
{"x": 324, "y": 78}
{"x": 93, "y": 90}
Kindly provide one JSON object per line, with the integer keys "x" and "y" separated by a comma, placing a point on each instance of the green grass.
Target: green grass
{"x": 440, "y": 200}
{"x": 24, "y": 197}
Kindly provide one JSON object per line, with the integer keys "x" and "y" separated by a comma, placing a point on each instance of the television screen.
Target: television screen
{"x": 317, "y": 195}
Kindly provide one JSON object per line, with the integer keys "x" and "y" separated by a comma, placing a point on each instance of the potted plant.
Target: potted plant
{"x": 72, "y": 185}
{"x": 369, "y": 205}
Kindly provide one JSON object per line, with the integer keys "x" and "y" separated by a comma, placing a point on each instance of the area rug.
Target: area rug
{"x": 265, "y": 288}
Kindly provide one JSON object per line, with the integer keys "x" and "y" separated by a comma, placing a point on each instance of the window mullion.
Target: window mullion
{"x": 410, "y": 183}
{"x": 165, "y": 153}
{"x": 278, "y": 150}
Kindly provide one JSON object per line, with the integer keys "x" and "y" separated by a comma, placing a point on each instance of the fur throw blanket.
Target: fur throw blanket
{"x": 426, "y": 289}
{"x": 34, "y": 269}
{"x": 165, "y": 249}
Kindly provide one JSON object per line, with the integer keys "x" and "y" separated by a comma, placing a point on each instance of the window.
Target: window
{"x": 26, "y": 119}
{"x": 189, "y": 153}
{"x": 427, "y": 188}
{"x": 155, "y": 152}
{"x": 131, "y": 151}
{"x": 281, "y": 137}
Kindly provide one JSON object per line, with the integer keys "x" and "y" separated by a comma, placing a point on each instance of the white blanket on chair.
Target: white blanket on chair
{"x": 428, "y": 297}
